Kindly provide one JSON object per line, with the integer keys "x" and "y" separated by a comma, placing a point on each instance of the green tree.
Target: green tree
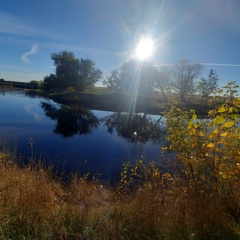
{"x": 35, "y": 84}
{"x": 184, "y": 74}
{"x": 114, "y": 81}
{"x": 72, "y": 72}
{"x": 50, "y": 83}
{"x": 133, "y": 77}
{"x": 138, "y": 77}
{"x": 208, "y": 86}
{"x": 88, "y": 74}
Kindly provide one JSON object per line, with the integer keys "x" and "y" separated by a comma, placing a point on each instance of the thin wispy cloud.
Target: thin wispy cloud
{"x": 221, "y": 64}
{"x": 205, "y": 64}
{"x": 25, "y": 56}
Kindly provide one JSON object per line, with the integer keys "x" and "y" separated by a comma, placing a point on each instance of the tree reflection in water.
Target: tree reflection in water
{"x": 71, "y": 120}
{"x": 136, "y": 127}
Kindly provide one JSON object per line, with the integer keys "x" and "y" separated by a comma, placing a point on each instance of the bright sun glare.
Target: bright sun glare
{"x": 144, "y": 49}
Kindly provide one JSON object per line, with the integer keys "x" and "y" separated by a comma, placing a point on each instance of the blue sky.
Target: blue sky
{"x": 202, "y": 31}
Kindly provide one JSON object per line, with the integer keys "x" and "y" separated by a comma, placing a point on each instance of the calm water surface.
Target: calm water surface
{"x": 77, "y": 139}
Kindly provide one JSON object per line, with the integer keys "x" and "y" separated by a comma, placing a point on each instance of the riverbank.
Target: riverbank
{"x": 100, "y": 98}
{"x": 36, "y": 205}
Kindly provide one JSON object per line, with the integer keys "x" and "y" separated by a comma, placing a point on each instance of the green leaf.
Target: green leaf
{"x": 234, "y": 116}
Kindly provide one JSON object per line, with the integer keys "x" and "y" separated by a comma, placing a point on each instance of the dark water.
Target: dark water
{"x": 77, "y": 139}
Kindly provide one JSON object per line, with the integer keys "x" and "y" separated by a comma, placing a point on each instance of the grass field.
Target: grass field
{"x": 35, "y": 205}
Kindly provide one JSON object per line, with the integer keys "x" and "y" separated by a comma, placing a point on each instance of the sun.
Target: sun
{"x": 144, "y": 49}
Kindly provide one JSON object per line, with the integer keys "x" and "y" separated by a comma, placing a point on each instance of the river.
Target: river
{"x": 74, "y": 139}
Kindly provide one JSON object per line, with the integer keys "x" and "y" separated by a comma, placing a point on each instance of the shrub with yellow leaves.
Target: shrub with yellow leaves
{"x": 207, "y": 149}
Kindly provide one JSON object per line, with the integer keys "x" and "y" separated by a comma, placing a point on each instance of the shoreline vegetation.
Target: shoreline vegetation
{"x": 199, "y": 198}
{"x": 101, "y": 98}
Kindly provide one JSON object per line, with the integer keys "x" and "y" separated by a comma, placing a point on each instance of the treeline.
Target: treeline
{"x": 34, "y": 84}
{"x": 180, "y": 78}
{"x": 132, "y": 77}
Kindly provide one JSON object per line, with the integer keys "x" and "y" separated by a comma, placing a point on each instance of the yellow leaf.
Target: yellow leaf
{"x": 194, "y": 116}
{"x": 196, "y": 125}
{"x": 201, "y": 134}
{"x": 192, "y": 132}
{"x": 224, "y": 176}
{"x": 211, "y": 145}
{"x": 222, "y": 109}
{"x": 228, "y": 124}
{"x": 224, "y": 134}
{"x": 218, "y": 120}
{"x": 216, "y": 131}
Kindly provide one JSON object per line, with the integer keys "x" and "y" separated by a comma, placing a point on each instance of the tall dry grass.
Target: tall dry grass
{"x": 36, "y": 205}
